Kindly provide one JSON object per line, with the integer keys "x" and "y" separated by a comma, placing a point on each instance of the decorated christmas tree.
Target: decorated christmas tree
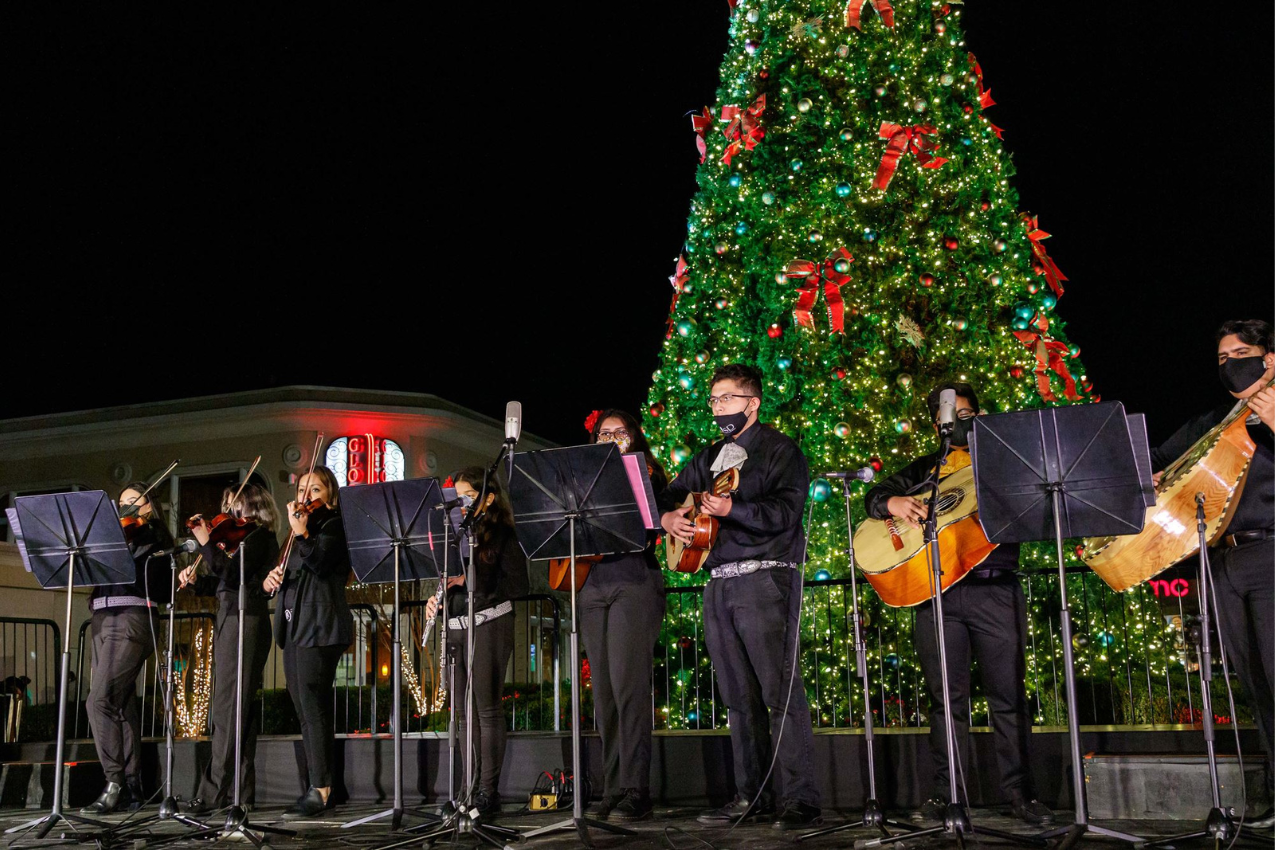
{"x": 857, "y": 237}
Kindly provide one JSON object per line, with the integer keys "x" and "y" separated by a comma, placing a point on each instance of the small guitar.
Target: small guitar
{"x": 560, "y": 571}
{"x": 690, "y": 557}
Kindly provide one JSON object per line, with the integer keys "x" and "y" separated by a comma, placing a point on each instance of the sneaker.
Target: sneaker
{"x": 1032, "y": 811}
{"x": 931, "y": 810}
{"x": 796, "y": 815}
{"x": 737, "y": 810}
{"x": 634, "y": 805}
{"x": 487, "y": 803}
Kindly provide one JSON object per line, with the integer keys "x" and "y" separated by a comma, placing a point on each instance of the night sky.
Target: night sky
{"x": 485, "y": 202}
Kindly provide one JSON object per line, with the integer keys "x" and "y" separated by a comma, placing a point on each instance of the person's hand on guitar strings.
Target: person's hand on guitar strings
{"x": 718, "y": 506}
{"x": 1262, "y": 403}
{"x": 910, "y": 509}
{"x": 676, "y": 524}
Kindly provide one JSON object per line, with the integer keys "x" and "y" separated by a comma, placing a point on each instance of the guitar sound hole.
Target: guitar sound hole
{"x": 950, "y": 500}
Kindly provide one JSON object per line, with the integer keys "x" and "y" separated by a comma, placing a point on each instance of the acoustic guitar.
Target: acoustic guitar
{"x": 690, "y": 557}
{"x": 1217, "y": 466}
{"x": 892, "y": 554}
{"x": 560, "y": 571}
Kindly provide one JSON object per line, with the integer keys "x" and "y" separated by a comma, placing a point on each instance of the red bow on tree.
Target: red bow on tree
{"x": 883, "y": 8}
{"x": 743, "y": 127}
{"x": 984, "y": 95}
{"x": 1049, "y": 355}
{"x": 810, "y": 274}
{"x": 902, "y": 140}
{"x": 1047, "y": 266}
{"x": 677, "y": 278}
{"x": 701, "y": 123}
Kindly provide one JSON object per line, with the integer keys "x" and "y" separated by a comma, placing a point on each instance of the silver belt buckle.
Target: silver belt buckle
{"x": 748, "y": 567}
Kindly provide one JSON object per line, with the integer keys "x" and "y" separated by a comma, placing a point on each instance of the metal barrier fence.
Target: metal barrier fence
{"x": 30, "y": 652}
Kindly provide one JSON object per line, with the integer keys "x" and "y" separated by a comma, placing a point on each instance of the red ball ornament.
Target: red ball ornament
{"x": 764, "y": 73}
{"x": 875, "y": 463}
{"x": 927, "y": 280}
{"x": 946, "y": 9}
{"x": 774, "y": 331}
{"x": 839, "y": 374}
{"x": 968, "y": 109}
{"x": 657, "y": 409}
{"x": 684, "y": 642}
{"x": 951, "y": 244}
{"x": 1015, "y": 371}
{"x": 986, "y": 206}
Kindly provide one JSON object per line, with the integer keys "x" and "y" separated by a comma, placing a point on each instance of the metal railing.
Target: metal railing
{"x": 30, "y": 652}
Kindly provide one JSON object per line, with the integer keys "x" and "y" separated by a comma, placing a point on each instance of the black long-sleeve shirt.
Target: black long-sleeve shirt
{"x": 154, "y": 575}
{"x": 314, "y": 587}
{"x": 764, "y": 523}
{"x": 501, "y": 568}
{"x": 1256, "y": 508}
{"x": 904, "y": 483}
{"x": 261, "y": 554}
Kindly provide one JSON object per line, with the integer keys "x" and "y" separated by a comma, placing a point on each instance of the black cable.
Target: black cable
{"x": 668, "y": 841}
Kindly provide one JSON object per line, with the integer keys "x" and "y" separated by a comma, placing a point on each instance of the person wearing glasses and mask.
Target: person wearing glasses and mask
{"x": 125, "y": 627}
{"x": 985, "y": 615}
{"x": 1241, "y": 557}
{"x": 621, "y": 612}
{"x": 752, "y": 603}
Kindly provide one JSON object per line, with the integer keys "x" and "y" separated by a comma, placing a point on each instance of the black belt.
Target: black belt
{"x": 992, "y": 573}
{"x": 1239, "y": 538}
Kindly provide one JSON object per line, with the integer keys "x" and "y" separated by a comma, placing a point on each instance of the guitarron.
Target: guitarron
{"x": 690, "y": 557}
{"x": 892, "y": 556}
{"x": 1217, "y": 466}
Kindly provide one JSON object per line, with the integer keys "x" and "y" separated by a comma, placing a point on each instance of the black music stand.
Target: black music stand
{"x": 568, "y": 503}
{"x": 1051, "y": 474}
{"x": 72, "y": 540}
{"x": 394, "y": 531}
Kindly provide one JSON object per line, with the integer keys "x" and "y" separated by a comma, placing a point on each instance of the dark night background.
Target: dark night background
{"x": 485, "y": 202}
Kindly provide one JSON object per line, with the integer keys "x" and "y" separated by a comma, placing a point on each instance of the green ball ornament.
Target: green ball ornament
{"x": 1033, "y": 287}
{"x": 1049, "y": 301}
{"x": 822, "y": 575}
{"x": 1106, "y": 638}
{"x": 843, "y": 190}
{"x": 1020, "y": 324}
{"x": 903, "y": 426}
{"x": 999, "y": 246}
{"x": 783, "y": 363}
{"x": 841, "y": 265}
{"x": 767, "y": 198}
{"x": 741, "y": 228}
{"x": 1080, "y": 640}
{"x": 846, "y": 134}
{"x": 796, "y": 165}
{"x": 904, "y": 380}
{"x": 820, "y": 490}
{"x": 701, "y": 357}
{"x": 685, "y": 326}
{"x": 735, "y": 180}
{"x": 781, "y": 278}
{"x": 1023, "y": 310}
{"x": 947, "y": 79}
{"x": 681, "y": 454}
{"x": 686, "y": 380}
{"x": 841, "y": 429}
{"x": 960, "y": 324}
{"x": 721, "y": 247}
{"x": 995, "y": 280}
{"x": 720, "y": 303}
{"x": 815, "y": 236}
{"x": 892, "y": 661}
{"x": 804, "y": 105}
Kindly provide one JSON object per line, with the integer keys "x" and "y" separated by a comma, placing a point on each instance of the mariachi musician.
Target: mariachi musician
{"x": 1243, "y": 554}
{"x": 985, "y": 614}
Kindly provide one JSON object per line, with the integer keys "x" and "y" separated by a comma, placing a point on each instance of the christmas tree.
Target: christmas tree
{"x": 857, "y": 237}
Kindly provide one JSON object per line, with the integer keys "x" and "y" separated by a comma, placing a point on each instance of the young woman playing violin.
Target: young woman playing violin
{"x": 621, "y": 612}
{"x": 260, "y": 553}
{"x": 313, "y": 625}
{"x": 501, "y": 576}
{"x": 124, "y": 630}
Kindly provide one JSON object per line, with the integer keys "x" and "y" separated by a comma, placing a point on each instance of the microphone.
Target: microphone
{"x": 947, "y": 411}
{"x": 867, "y": 473}
{"x": 187, "y": 545}
{"x": 513, "y": 422}
{"x": 458, "y": 502}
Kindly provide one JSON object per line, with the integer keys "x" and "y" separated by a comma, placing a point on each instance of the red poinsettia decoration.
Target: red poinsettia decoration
{"x": 449, "y": 482}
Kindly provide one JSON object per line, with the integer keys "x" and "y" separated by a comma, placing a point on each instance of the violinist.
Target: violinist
{"x": 260, "y": 553}
{"x": 313, "y": 625}
{"x": 621, "y": 612}
{"x": 1241, "y": 557}
{"x": 125, "y": 625}
{"x": 501, "y": 577}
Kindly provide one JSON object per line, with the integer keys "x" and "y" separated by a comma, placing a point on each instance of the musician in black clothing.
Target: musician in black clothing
{"x": 984, "y": 615}
{"x": 313, "y": 626}
{"x": 621, "y": 612}
{"x": 124, "y": 631}
{"x": 500, "y": 577}
{"x": 1241, "y": 558}
{"x": 752, "y": 603}
{"x": 260, "y": 556}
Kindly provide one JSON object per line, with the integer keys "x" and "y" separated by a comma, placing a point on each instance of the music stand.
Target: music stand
{"x": 72, "y": 540}
{"x": 1051, "y": 474}
{"x": 568, "y": 503}
{"x": 391, "y": 530}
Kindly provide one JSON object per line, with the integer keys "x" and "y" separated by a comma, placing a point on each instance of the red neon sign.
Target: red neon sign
{"x": 1178, "y": 587}
{"x": 365, "y": 459}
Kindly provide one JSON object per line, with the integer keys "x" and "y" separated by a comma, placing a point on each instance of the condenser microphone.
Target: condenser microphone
{"x": 513, "y": 422}
{"x": 947, "y": 411}
{"x": 867, "y": 473}
{"x": 188, "y": 545}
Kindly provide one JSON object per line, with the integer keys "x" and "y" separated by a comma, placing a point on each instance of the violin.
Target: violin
{"x": 132, "y": 524}
{"x": 131, "y": 520}
{"x": 306, "y": 508}
{"x": 227, "y": 531}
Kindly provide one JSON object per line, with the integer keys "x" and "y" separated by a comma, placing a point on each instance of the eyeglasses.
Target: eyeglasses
{"x": 725, "y": 398}
{"x": 608, "y": 435}
{"x": 965, "y": 415}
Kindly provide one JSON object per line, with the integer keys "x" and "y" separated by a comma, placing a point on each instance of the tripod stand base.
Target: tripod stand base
{"x": 1070, "y": 835}
{"x": 956, "y": 826}
{"x": 168, "y": 811}
{"x": 396, "y": 818}
{"x": 47, "y": 822}
{"x": 457, "y": 821}
{"x": 873, "y": 818}
{"x": 237, "y": 822}
{"x": 582, "y": 827}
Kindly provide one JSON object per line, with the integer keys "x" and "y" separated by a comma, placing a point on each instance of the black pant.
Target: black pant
{"x": 493, "y": 646}
{"x": 750, "y": 626}
{"x": 310, "y": 671}
{"x": 1246, "y": 615}
{"x": 621, "y": 610}
{"x": 217, "y": 784}
{"x": 987, "y": 617}
{"x": 123, "y": 638}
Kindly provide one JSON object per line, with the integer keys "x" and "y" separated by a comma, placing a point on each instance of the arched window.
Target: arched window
{"x": 364, "y": 459}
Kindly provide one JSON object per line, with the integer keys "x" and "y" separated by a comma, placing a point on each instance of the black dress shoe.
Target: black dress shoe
{"x": 796, "y": 815}
{"x": 134, "y": 791}
{"x": 634, "y": 805}
{"x": 602, "y": 809}
{"x": 108, "y": 801}
{"x": 308, "y": 805}
{"x": 195, "y": 807}
{"x": 931, "y": 810}
{"x": 487, "y": 803}
{"x": 1032, "y": 811}
{"x": 737, "y": 811}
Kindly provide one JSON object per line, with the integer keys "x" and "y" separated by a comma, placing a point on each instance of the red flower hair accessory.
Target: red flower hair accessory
{"x": 591, "y": 420}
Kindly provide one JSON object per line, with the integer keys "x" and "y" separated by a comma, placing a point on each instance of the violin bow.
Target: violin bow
{"x": 132, "y": 509}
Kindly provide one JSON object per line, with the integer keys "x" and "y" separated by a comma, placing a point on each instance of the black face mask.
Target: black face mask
{"x": 1239, "y": 373}
{"x": 961, "y": 430}
{"x": 732, "y": 423}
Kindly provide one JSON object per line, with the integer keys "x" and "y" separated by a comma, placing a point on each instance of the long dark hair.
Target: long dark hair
{"x": 157, "y": 513}
{"x": 255, "y": 502}
{"x": 498, "y": 515}
{"x": 659, "y": 478}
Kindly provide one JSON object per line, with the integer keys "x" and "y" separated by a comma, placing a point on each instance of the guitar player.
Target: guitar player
{"x": 752, "y": 604}
{"x": 984, "y": 614}
{"x": 1241, "y": 558}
